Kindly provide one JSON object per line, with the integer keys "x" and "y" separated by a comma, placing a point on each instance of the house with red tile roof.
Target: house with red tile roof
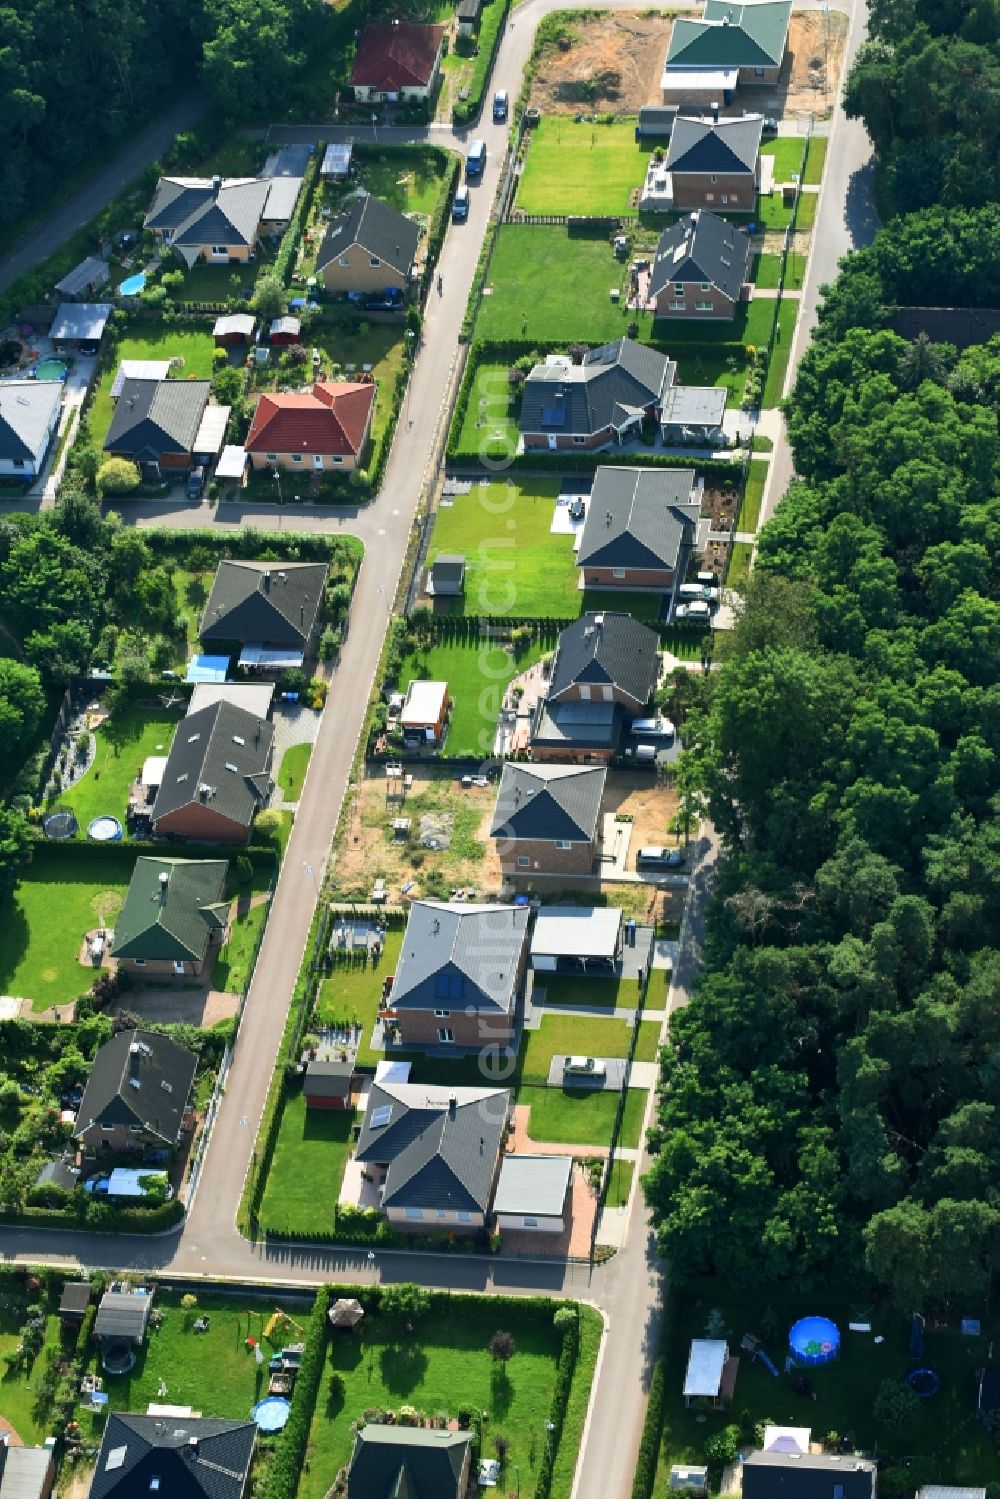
{"x": 324, "y": 429}
{"x": 397, "y": 60}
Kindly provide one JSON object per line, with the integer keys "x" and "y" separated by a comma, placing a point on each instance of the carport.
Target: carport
{"x": 577, "y": 939}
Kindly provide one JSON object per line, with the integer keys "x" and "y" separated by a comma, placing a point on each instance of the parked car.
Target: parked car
{"x": 583, "y": 1067}
{"x": 658, "y": 857}
{"x": 501, "y": 104}
{"x": 460, "y": 205}
{"x": 696, "y": 610}
{"x": 195, "y": 482}
{"x": 708, "y": 592}
{"x": 475, "y": 161}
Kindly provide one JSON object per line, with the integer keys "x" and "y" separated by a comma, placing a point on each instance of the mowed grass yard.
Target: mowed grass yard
{"x": 489, "y": 428}
{"x": 586, "y": 993}
{"x": 124, "y": 741}
{"x": 548, "y": 286}
{"x": 351, "y": 994}
{"x": 579, "y": 1116}
{"x": 788, "y": 153}
{"x": 307, "y": 1168}
{"x": 62, "y": 893}
{"x": 477, "y": 674}
{"x": 292, "y": 771}
{"x": 583, "y": 1035}
{"x": 749, "y": 515}
{"x": 579, "y": 168}
{"x": 158, "y": 341}
{"x": 18, "y": 1390}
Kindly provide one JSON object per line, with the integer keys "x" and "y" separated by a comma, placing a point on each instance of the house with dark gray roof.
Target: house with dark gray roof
{"x": 731, "y": 45}
{"x": 368, "y": 249}
{"x": 175, "y": 917}
{"x": 29, "y": 419}
{"x": 808, "y": 1475}
{"x": 217, "y": 776}
{"x": 446, "y": 576}
{"x": 179, "y": 1456}
{"x": 715, "y": 163}
{"x": 216, "y": 219}
{"x": 603, "y": 399}
{"x": 156, "y": 425}
{"x": 602, "y": 676}
{"x": 409, "y": 1462}
{"x": 270, "y": 604}
{"x": 137, "y": 1093}
{"x": 547, "y": 818}
{"x": 459, "y": 973}
{"x": 433, "y": 1152}
{"x": 699, "y": 268}
{"x": 640, "y": 528}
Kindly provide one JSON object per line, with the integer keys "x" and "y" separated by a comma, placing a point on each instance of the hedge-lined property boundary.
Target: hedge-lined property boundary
{"x": 492, "y": 18}
{"x": 121, "y": 1221}
{"x": 289, "y": 1456}
{"x": 652, "y": 1427}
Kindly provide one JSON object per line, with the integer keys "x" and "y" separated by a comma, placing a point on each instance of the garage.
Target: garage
{"x": 576, "y": 939}
{"x": 533, "y": 1193}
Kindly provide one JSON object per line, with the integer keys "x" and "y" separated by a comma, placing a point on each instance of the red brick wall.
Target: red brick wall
{"x": 545, "y": 857}
{"x": 420, "y": 1028}
{"x": 721, "y": 306}
{"x": 697, "y": 190}
{"x": 635, "y": 577}
{"x": 201, "y": 823}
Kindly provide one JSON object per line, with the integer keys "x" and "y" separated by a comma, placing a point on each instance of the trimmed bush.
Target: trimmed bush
{"x": 286, "y": 1467}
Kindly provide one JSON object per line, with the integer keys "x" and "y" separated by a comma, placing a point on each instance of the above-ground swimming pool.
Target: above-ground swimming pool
{"x": 271, "y": 1413}
{"x": 105, "y": 830}
{"x": 133, "y": 286}
{"x": 50, "y": 369}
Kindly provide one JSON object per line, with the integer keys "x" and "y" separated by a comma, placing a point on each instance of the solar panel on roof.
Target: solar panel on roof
{"x": 554, "y": 416}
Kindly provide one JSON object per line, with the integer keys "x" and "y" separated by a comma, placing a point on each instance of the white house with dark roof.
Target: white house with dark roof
{"x": 547, "y": 818}
{"x": 29, "y": 419}
{"x": 641, "y": 527}
{"x": 699, "y": 270}
{"x": 603, "y": 399}
{"x": 219, "y": 219}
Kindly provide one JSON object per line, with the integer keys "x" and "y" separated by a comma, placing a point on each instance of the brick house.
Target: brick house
{"x": 640, "y": 528}
{"x": 175, "y": 917}
{"x": 602, "y": 400}
{"x": 136, "y": 1096}
{"x": 459, "y": 974}
{"x": 699, "y": 269}
{"x": 201, "y": 1457}
{"x": 396, "y": 61}
{"x": 217, "y": 776}
{"x": 715, "y": 163}
{"x": 322, "y": 430}
{"x": 272, "y": 604}
{"x": 156, "y": 425}
{"x": 732, "y": 45}
{"x": 368, "y": 249}
{"x": 603, "y": 674}
{"x": 547, "y": 818}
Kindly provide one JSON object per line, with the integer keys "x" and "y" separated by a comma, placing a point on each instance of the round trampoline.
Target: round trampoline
{"x": 118, "y": 1357}
{"x": 105, "y": 830}
{"x": 271, "y": 1413}
{"x": 924, "y": 1382}
{"x": 814, "y": 1340}
{"x": 60, "y": 825}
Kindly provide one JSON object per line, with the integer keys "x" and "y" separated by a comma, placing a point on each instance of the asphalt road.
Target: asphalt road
{"x": 80, "y": 207}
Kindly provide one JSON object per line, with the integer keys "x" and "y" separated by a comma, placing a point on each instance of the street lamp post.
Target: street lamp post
{"x": 411, "y": 346}
{"x": 375, "y": 126}
{"x": 281, "y": 503}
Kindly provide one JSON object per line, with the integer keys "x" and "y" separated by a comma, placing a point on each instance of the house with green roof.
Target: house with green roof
{"x": 174, "y": 918}
{"x": 732, "y": 44}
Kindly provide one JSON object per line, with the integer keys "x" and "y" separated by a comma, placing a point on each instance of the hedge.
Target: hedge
{"x": 284, "y": 261}
{"x": 652, "y": 1427}
{"x": 250, "y": 542}
{"x": 557, "y": 1415}
{"x": 86, "y": 1328}
{"x": 120, "y": 1221}
{"x": 289, "y": 1455}
{"x": 442, "y": 217}
{"x": 491, "y": 25}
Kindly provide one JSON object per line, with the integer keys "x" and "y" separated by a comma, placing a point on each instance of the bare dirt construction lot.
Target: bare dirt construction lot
{"x": 613, "y": 62}
{"x": 650, "y": 805}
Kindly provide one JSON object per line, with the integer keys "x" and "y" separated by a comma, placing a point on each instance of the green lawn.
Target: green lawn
{"x": 767, "y": 271}
{"x": 153, "y": 341}
{"x": 816, "y": 160}
{"x": 787, "y": 314}
{"x": 232, "y": 966}
{"x": 477, "y": 675}
{"x": 585, "y": 993}
{"x": 489, "y": 429}
{"x": 411, "y": 182}
{"x": 739, "y": 564}
{"x": 581, "y": 168}
{"x": 292, "y": 773}
{"x": 18, "y": 1391}
{"x": 620, "y": 1184}
{"x": 586, "y": 1035}
{"x": 352, "y": 993}
{"x": 751, "y": 324}
{"x": 443, "y": 1364}
{"x": 806, "y": 216}
{"x": 123, "y": 742}
{"x": 578, "y": 1116}
{"x": 787, "y": 151}
{"x": 772, "y": 211}
{"x": 192, "y": 593}
{"x": 547, "y": 286}
{"x": 946, "y": 1429}
{"x": 307, "y": 1168}
{"x": 752, "y": 496}
{"x": 62, "y": 894}
{"x": 206, "y": 282}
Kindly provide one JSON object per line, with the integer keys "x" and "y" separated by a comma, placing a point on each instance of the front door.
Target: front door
{"x": 552, "y": 442}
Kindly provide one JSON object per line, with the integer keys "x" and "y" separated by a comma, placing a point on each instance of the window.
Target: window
{"x": 442, "y": 1213}
{"x": 413, "y": 1212}
{"x": 344, "y": 260}
{"x": 446, "y": 1035}
{"x": 464, "y": 1217}
{"x": 678, "y": 288}
{"x": 531, "y": 1222}
{"x": 449, "y": 985}
{"x": 618, "y": 572}
{"x": 139, "y": 962}
{"x": 442, "y": 1014}
{"x": 271, "y": 457}
{"x": 563, "y": 844}
{"x": 579, "y": 441}
{"x": 706, "y": 286}
{"x": 18, "y": 462}
{"x": 523, "y": 862}
{"x": 317, "y": 460}
{"x": 296, "y": 457}
{"x": 676, "y": 306}
{"x": 337, "y": 458}
{"x": 724, "y": 198}
{"x": 713, "y": 179}
{"x": 374, "y": 262}
{"x": 220, "y": 250}
{"x": 135, "y": 1129}
{"x": 703, "y": 307}
{"x": 758, "y": 72}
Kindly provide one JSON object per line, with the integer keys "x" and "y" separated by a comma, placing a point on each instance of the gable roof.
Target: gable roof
{"x": 706, "y": 145}
{"x": 139, "y": 1077}
{"x": 26, "y": 411}
{"x": 208, "y": 210}
{"x": 794, "y": 1475}
{"x": 701, "y": 247}
{"x": 124, "y": 1314}
{"x": 613, "y": 384}
{"x": 269, "y": 603}
{"x": 171, "y": 909}
{"x": 440, "y": 1144}
{"x": 329, "y": 419}
{"x": 192, "y": 1457}
{"x": 406, "y": 1462}
{"x": 638, "y": 517}
{"x": 91, "y": 272}
{"x": 157, "y": 416}
{"x": 549, "y": 802}
{"x": 396, "y": 54}
{"x": 458, "y": 956}
{"x": 220, "y": 757}
{"x": 735, "y": 36}
{"x": 378, "y": 228}
{"x": 606, "y": 648}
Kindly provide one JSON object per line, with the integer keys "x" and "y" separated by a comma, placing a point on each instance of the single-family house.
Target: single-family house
{"x": 577, "y": 939}
{"x": 156, "y": 424}
{"x": 123, "y": 1315}
{"x": 711, "y": 1372}
{"x": 327, "y": 1085}
{"x": 811, "y": 1475}
{"x": 371, "y": 247}
{"x": 175, "y": 917}
{"x": 84, "y": 279}
{"x": 29, "y": 419}
{"x": 397, "y": 61}
{"x": 78, "y": 327}
{"x": 424, "y": 714}
{"x": 73, "y": 1302}
{"x": 322, "y": 430}
{"x": 547, "y": 818}
{"x": 217, "y": 776}
{"x": 732, "y": 44}
{"x": 268, "y": 604}
{"x": 603, "y": 399}
{"x": 137, "y": 1093}
{"x": 602, "y": 675}
{"x": 409, "y": 1462}
{"x": 533, "y": 1193}
{"x": 446, "y": 576}
{"x": 699, "y": 269}
{"x": 640, "y": 529}
{"x": 216, "y": 219}
{"x": 26, "y": 1472}
{"x": 180, "y": 1456}
{"x": 715, "y": 163}
{"x": 459, "y": 974}
{"x": 234, "y": 329}
{"x": 433, "y": 1152}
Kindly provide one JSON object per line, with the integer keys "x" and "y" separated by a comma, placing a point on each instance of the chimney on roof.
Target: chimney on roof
{"x": 134, "y": 1055}
{"x": 452, "y": 1105}
{"x": 164, "y": 881}
{"x": 266, "y": 578}
{"x": 192, "y": 1448}
{"x": 216, "y": 186}
{"x": 715, "y": 111}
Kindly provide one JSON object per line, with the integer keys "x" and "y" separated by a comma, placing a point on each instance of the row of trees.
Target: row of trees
{"x": 829, "y": 1100}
